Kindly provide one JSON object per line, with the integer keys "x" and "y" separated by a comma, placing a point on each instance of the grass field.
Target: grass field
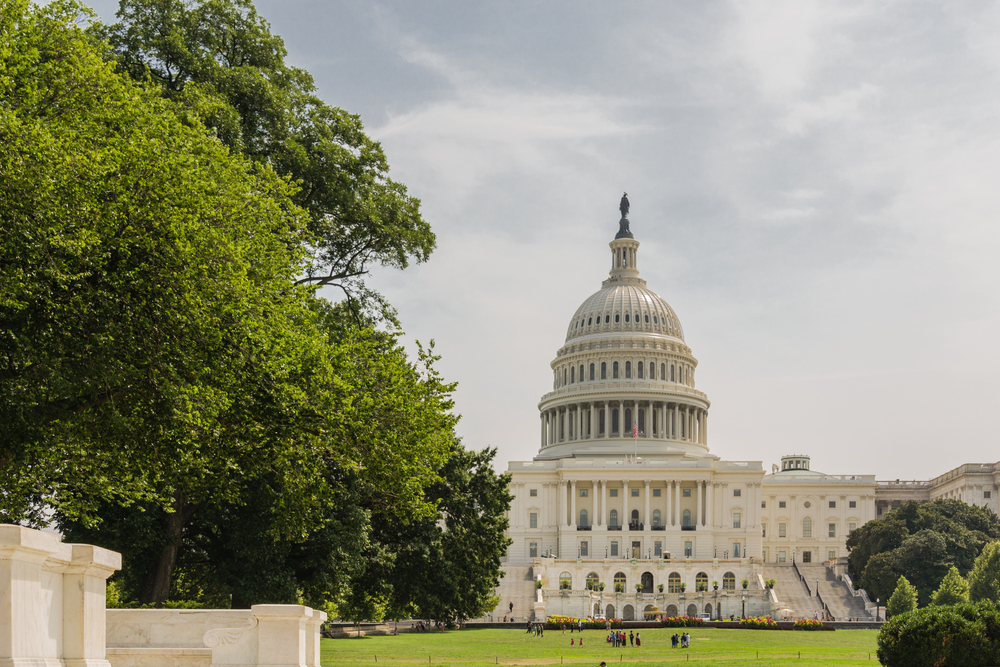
{"x": 709, "y": 646}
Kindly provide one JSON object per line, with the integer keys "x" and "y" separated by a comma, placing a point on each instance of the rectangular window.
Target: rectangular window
{"x": 807, "y": 556}
{"x": 583, "y": 493}
{"x": 833, "y": 530}
{"x": 635, "y": 493}
{"x": 987, "y": 494}
{"x": 781, "y": 530}
{"x": 763, "y": 530}
{"x": 851, "y": 527}
{"x": 583, "y": 549}
{"x": 853, "y": 504}
{"x": 831, "y": 555}
{"x": 657, "y": 549}
{"x": 763, "y": 504}
{"x": 687, "y": 493}
{"x": 736, "y": 519}
{"x": 833, "y": 504}
{"x": 737, "y": 493}
{"x": 736, "y": 549}
{"x": 533, "y": 550}
{"x": 781, "y": 556}
{"x": 781, "y": 504}
{"x": 880, "y": 511}
{"x": 656, "y": 493}
{"x": 533, "y": 520}
{"x": 636, "y": 550}
{"x": 765, "y": 555}
{"x": 614, "y": 548}
{"x": 614, "y": 493}
{"x": 687, "y": 549}
{"x": 533, "y": 493}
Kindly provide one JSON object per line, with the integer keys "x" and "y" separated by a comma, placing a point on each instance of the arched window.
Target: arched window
{"x": 613, "y": 520}
{"x": 565, "y": 581}
{"x": 581, "y": 372}
{"x": 604, "y": 370}
{"x": 583, "y": 518}
{"x": 564, "y": 376}
{"x": 635, "y": 516}
{"x": 663, "y": 371}
{"x": 614, "y": 370}
{"x": 674, "y": 583}
{"x": 638, "y": 369}
{"x": 607, "y": 318}
{"x": 656, "y": 518}
{"x": 590, "y": 320}
{"x": 602, "y": 425}
{"x": 616, "y": 317}
{"x": 592, "y": 581}
{"x": 701, "y": 582}
{"x": 614, "y": 420}
{"x": 628, "y": 370}
{"x": 627, "y": 424}
{"x": 807, "y": 527}
{"x": 647, "y": 319}
{"x": 652, "y": 371}
{"x": 572, "y": 375}
{"x": 592, "y": 372}
{"x": 620, "y": 579}
{"x": 642, "y": 419}
{"x": 729, "y": 581}
{"x": 626, "y": 317}
{"x": 687, "y": 517}
{"x": 671, "y": 372}
{"x": 655, "y": 320}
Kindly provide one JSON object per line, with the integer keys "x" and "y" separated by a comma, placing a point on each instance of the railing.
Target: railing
{"x": 584, "y": 527}
{"x": 614, "y": 527}
{"x": 826, "y": 607}
{"x": 689, "y": 527}
{"x": 659, "y": 527}
{"x": 801, "y": 578}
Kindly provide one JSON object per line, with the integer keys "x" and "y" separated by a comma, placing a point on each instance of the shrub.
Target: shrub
{"x": 984, "y": 579}
{"x": 961, "y": 635}
{"x": 808, "y": 624}
{"x": 681, "y": 622}
{"x": 759, "y": 623}
{"x": 953, "y": 589}
{"x": 903, "y": 599}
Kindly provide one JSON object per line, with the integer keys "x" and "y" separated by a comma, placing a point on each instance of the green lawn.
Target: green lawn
{"x": 709, "y": 646}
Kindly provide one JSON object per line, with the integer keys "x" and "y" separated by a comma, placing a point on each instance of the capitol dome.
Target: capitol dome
{"x": 623, "y": 382}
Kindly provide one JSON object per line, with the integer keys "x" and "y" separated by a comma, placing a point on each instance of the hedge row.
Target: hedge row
{"x": 961, "y": 635}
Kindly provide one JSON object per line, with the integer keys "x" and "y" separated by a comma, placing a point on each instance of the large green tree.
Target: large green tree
{"x": 220, "y": 59}
{"x": 921, "y": 541}
{"x": 984, "y": 579}
{"x": 953, "y": 589}
{"x": 903, "y": 599}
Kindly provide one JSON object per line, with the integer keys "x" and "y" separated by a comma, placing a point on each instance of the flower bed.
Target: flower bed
{"x": 681, "y": 622}
{"x": 759, "y": 623}
{"x": 556, "y": 622}
{"x": 808, "y": 624}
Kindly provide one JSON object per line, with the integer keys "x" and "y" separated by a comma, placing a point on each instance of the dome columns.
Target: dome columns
{"x": 611, "y": 419}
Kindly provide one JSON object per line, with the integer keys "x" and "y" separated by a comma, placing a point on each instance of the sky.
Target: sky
{"x": 815, "y": 186}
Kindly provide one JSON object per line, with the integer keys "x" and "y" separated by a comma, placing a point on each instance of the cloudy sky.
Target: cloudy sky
{"x": 815, "y": 186}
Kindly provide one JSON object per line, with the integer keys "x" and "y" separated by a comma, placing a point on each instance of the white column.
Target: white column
{"x": 625, "y": 515}
{"x": 598, "y": 502}
{"x": 677, "y": 502}
{"x": 645, "y": 516}
{"x": 710, "y": 504}
{"x": 669, "y": 520}
{"x": 704, "y": 428}
{"x": 701, "y": 487}
{"x": 542, "y": 420}
{"x": 563, "y": 510}
{"x": 676, "y": 430}
{"x": 621, "y": 419}
{"x": 593, "y": 421}
{"x": 572, "y": 505}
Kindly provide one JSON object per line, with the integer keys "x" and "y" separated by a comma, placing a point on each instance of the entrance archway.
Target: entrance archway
{"x": 647, "y": 582}
{"x": 628, "y": 613}
{"x": 692, "y": 610}
{"x": 671, "y": 610}
{"x": 708, "y": 609}
{"x": 609, "y": 611}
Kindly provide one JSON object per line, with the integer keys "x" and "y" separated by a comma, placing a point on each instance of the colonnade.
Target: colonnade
{"x": 672, "y": 518}
{"x": 592, "y": 420}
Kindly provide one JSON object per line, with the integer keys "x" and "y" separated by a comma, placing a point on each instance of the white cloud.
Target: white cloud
{"x": 847, "y": 105}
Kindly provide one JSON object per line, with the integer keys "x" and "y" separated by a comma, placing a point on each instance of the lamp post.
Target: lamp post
{"x": 877, "y": 601}
{"x": 744, "y": 614}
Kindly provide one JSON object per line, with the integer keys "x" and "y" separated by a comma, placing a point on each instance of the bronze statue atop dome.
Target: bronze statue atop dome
{"x": 623, "y": 230}
{"x": 623, "y": 205}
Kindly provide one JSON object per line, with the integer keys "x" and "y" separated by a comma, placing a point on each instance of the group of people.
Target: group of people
{"x": 536, "y": 629}
{"x": 684, "y": 639}
{"x": 618, "y": 638}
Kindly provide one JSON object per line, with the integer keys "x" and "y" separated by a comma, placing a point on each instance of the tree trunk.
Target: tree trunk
{"x": 156, "y": 588}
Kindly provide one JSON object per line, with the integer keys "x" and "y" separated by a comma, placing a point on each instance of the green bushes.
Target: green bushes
{"x": 962, "y": 635}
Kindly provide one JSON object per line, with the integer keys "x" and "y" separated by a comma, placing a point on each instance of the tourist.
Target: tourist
{"x": 581, "y": 641}
{"x": 673, "y": 641}
{"x": 603, "y": 664}
{"x": 504, "y": 619}
{"x": 572, "y": 642}
{"x": 530, "y": 626}
{"x": 638, "y": 642}
{"x": 631, "y": 638}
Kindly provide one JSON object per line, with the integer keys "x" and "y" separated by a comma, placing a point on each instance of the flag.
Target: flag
{"x": 635, "y": 431}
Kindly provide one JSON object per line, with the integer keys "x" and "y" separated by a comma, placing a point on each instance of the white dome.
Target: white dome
{"x": 625, "y": 308}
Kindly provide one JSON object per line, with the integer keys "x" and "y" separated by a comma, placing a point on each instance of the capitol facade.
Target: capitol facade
{"x": 625, "y": 511}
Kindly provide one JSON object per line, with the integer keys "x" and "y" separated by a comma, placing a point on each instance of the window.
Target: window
{"x": 687, "y": 517}
{"x": 807, "y": 504}
{"x": 614, "y": 493}
{"x": 613, "y": 521}
{"x": 604, "y": 370}
{"x": 583, "y": 493}
{"x": 614, "y": 548}
{"x": 628, "y": 370}
{"x": 781, "y": 504}
{"x": 614, "y": 370}
{"x": 781, "y": 530}
{"x": 652, "y": 371}
{"x": 590, "y": 320}
{"x": 763, "y": 530}
{"x": 533, "y": 493}
{"x": 729, "y": 581}
{"x": 831, "y": 555}
{"x": 616, "y": 318}
{"x": 987, "y": 494}
{"x": 656, "y": 493}
{"x": 565, "y": 581}
{"x": 592, "y": 372}
{"x": 581, "y": 372}
{"x": 807, "y": 527}
{"x": 564, "y": 376}
{"x": 620, "y": 579}
{"x": 833, "y": 504}
{"x": 851, "y": 527}
{"x": 763, "y": 504}
{"x": 657, "y": 548}
{"x": 671, "y": 372}
{"x": 736, "y": 519}
{"x": 687, "y": 493}
{"x": 736, "y": 549}
{"x": 832, "y": 530}
{"x": 853, "y": 504}
{"x": 533, "y": 520}
{"x": 674, "y": 583}
{"x": 626, "y": 317}
{"x": 607, "y": 318}
{"x": 687, "y": 548}
{"x": 646, "y": 318}
{"x": 583, "y": 518}
{"x": 572, "y": 375}
{"x": 584, "y": 549}
{"x": 614, "y": 421}
{"x": 635, "y": 516}
{"x": 635, "y": 493}
{"x": 701, "y": 582}
{"x": 628, "y": 419}
{"x": 593, "y": 581}
{"x": 638, "y": 370}
{"x": 663, "y": 371}
{"x": 656, "y": 518}
{"x": 781, "y": 556}
{"x": 655, "y": 320}
{"x": 807, "y": 556}
{"x": 533, "y": 550}
{"x": 737, "y": 493}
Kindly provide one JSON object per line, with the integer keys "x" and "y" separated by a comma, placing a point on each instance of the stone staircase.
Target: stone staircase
{"x": 790, "y": 591}
{"x": 834, "y": 592}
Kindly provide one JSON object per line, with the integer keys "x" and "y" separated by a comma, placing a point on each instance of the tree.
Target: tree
{"x": 220, "y": 59}
{"x": 903, "y": 599}
{"x": 984, "y": 580}
{"x": 953, "y": 589}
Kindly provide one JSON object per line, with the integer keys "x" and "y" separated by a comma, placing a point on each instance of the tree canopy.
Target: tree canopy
{"x": 953, "y": 589}
{"x": 921, "y": 541}
{"x": 984, "y": 579}
{"x": 903, "y": 599}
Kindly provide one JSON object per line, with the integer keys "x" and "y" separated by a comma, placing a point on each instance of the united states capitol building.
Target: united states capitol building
{"x": 625, "y": 510}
